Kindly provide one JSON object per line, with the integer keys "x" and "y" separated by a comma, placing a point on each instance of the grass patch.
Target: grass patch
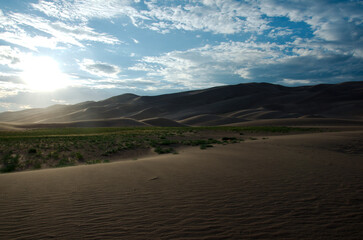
{"x": 65, "y": 162}
{"x": 58, "y": 147}
{"x": 96, "y": 161}
{"x": 37, "y": 165}
{"x": 161, "y": 150}
{"x": 205, "y": 146}
{"x": 32, "y": 151}
{"x": 10, "y": 162}
{"x": 78, "y": 156}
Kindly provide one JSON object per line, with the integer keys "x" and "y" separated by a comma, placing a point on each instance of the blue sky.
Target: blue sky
{"x": 68, "y": 51}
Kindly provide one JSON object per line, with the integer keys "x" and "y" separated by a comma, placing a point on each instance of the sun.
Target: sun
{"x": 42, "y": 74}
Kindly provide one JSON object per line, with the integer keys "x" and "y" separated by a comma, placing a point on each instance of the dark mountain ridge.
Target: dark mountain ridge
{"x": 212, "y": 106}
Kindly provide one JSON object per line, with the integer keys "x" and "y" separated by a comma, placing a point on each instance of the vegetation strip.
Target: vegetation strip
{"x": 39, "y": 148}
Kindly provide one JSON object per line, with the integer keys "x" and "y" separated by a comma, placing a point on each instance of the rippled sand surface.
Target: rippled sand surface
{"x": 306, "y": 186}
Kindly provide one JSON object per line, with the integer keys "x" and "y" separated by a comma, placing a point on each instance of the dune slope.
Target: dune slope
{"x": 285, "y": 187}
{"x": 250, "y": 101}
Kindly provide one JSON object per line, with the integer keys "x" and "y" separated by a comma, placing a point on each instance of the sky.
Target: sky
{"x": 70, "y": 51}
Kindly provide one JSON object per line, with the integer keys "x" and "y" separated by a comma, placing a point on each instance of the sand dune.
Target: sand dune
{"x": 285, "y": 187}
{"x": 7, "y": 127}
{"x": 263, "y": 114}
{"x": 146, "y": 113}
{"x": 243, "y": 112}
{"x": 118, "y": 122}
{"x": 209, "y": 120}
{"x": 249, "y": 101}
{"x": 200, "y": 120}
{"x": 162, "y": 122}
{"x": 303, "y": 122}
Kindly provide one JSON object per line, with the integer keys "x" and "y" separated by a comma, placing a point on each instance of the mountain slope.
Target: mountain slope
{"x": 212, "y": 106}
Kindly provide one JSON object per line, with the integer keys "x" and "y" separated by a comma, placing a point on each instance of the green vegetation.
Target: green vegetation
{"x": 205, "y": 146}
{"x": 94, "y": 161}
{"x": 65, "y": 162}
{"x": 34, "y": 149}
{"x": 78, "y": 156}
{"x": 161, "y": 150}
{"x": 37, "y": 165}
{"x": 10, "y": 162}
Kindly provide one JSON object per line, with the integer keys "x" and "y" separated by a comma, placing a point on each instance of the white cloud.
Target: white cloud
{"x": 84, "y": 10}
{"x": 9, "y": 106}
{"x": 230, "y": 62}
{"x": 32, "y": 43}
{"x": 135, "y": 40}
{"x": 336, "y": 25}
{"x": 280, "y": 32}
{"x": 59, "y": 101}
{"x": 295, "y": 82}
{"x": 9, "y": 56}
{"x": 225, "y": 17}
{"x": 100, "y": 69}
{"x": 52, "y": 33}
{"x": 206, "y": 66}
{"x": 222, "y": 17}
{"x": 339, "y": 23}
{"x": 13, "y": 78}
{"x": 11, "y": 89}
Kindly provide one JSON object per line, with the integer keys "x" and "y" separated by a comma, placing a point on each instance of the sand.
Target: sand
{"x": 206, "y": 107}
{"x": 307, "y": 186}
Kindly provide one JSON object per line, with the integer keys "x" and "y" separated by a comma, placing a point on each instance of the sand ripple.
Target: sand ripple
{"x": 253, "y": 190}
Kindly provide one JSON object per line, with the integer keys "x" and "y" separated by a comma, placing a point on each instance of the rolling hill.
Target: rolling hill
{"x": 222, "y": 105}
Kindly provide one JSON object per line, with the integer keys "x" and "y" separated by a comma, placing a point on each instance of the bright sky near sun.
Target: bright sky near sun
{"x": 68, "y": 51}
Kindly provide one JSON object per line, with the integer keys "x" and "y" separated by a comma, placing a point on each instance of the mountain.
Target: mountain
{"x": 213, "y": 106}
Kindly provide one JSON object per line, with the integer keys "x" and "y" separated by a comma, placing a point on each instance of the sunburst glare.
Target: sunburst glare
{"x": 42, "y": 73}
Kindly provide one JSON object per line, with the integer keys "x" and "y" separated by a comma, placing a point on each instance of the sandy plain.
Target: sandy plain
{"x": 303, "y": 186}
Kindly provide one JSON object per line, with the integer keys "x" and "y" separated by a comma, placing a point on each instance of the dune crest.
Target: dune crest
{"x": 222, "y": 105}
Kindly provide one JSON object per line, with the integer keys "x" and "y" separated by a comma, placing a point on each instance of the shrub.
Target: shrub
{"x": 39, "y": 154}
{"x": 168, "y": 142}
{"x": 229, "y": 138}
{"x": 205, "y": 146}
{"x": 64, "y": 162}
{"x": 37, "y": 165}
{"x": 10, "y": 162}
{"x": 93, "y": 161}
{"x": 160, "y": 150}
{"x": 79, "y": 156}
{"x": 54, "y": 155}
{"x": 32, "y": 151}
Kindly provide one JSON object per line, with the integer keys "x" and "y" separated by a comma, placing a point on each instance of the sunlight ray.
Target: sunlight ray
{"x": 42, "y": 73}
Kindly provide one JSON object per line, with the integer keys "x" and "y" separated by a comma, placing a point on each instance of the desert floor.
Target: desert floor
{"x": 305, "y": 186}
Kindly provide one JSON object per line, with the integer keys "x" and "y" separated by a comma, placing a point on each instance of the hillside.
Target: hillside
{"x": 213, "y": 106}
